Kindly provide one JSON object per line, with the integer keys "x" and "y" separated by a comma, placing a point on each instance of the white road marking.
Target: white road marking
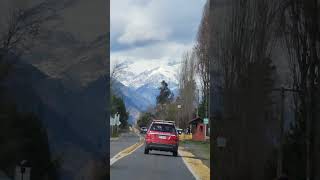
{"x": 123, "y": 153}
{"x": 129, "y": 150}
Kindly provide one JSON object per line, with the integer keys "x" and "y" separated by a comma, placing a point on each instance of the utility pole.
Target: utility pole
{"x": 198, "y": 102}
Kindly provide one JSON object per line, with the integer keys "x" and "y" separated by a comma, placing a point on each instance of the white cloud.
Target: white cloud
{"x": 161, "y": 51}
{"x": 142, "y": 28}
{"x": 153, "y": 30}
{"x": 140, "y": 20}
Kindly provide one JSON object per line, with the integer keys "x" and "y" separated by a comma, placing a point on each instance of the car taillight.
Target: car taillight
{"x": 147, "y": 136}
{"x": 174, "y": 137}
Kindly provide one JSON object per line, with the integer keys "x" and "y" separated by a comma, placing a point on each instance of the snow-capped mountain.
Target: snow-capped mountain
{"x": 142, "y": 79}
{"x": 138, "y": 74}
{"x": 147, "y": 81}
{"x": 154, "y": 76}
{"x": 125, "y": 77}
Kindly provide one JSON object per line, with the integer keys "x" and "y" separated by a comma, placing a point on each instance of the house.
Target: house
{"x": 197, "y": 129}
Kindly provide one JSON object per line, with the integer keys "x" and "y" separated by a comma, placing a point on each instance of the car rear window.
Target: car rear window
{"x": 162, "y": 127}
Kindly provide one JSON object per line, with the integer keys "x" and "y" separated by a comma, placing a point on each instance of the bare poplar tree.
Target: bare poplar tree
{"x": 202, "y": 51}
{"x": 20, "y": 28}
{"x": 243, "y": 34}
{"x": 23, "y": 25}
{"x": 187, "y": 87}
{"x": 300, "y": 24}
{"x": 244, "y": 71}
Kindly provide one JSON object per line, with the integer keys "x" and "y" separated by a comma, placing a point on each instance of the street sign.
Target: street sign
{"x": 112, "y": 121}
{"x": 205, "y": 120}
{"x": 117, "y": 117}
{"x": 115, "y": 120}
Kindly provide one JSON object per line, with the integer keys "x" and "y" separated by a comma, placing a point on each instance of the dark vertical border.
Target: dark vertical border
{"x": 108, "y": 91}
{"x": 211, "y": 99}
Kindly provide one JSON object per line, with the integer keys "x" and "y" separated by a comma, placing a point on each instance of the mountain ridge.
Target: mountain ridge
{"x": 142, "y": 88}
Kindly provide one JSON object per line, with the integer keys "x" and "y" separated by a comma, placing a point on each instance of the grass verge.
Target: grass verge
{"x": 199, "y": 149}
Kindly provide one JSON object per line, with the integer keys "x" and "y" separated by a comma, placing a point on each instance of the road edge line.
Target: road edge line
{"x": 127, "y": 151}
{"x": 195, "y": 166}
{"x": 189, "y": 167}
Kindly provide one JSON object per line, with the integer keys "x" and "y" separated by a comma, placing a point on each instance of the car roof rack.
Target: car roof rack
{"x": 163, "y": 121}
{"x": 157, "y": 120}
{"x": 170, "y": 122}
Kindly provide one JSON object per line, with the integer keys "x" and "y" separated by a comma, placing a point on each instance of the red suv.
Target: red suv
{"x": 162, "y": 136}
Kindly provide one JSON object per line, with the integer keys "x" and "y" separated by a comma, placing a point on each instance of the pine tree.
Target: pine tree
{"x": 165, "y": 96}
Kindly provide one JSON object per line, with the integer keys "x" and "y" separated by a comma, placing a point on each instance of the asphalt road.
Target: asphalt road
{"x": 156, "y": 166}
{"x": 124, "y": 141}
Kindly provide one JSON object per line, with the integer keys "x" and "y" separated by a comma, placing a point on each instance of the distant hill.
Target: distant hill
{"x": 134, "y": 101}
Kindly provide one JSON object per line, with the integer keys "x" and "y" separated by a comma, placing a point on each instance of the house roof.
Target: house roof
{"x": 196, "y": 120}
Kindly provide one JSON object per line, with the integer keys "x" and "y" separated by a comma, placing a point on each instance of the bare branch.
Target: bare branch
{"x": 24, "y": 24}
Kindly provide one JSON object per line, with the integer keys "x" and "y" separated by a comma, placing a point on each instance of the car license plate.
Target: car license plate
{"x": 162, "y": 137}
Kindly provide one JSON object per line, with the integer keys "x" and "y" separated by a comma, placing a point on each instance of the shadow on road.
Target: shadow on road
{"x": 158, "y": 154}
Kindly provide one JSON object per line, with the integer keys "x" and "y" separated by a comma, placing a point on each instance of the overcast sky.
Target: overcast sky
{"x": 148, "y": 30}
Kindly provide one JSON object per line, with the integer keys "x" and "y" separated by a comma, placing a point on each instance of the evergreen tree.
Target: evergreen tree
{"x": 165, "y": 96}
{"x": 145, "y": 119}
{"x": 118, "y": 106}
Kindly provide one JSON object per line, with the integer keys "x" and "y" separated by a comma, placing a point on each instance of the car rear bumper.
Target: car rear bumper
{"x": 162, "y": 147}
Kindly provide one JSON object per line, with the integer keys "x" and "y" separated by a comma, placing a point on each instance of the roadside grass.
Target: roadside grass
{"x": 119, "y": 131}
{"x": 115, "y": 135}
{"x": 205, "y": 146}
{"x": 198, "y": 148}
